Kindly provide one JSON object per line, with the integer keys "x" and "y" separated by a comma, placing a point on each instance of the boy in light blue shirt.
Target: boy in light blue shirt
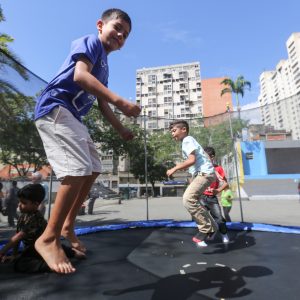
{"x": 200, "y": 167}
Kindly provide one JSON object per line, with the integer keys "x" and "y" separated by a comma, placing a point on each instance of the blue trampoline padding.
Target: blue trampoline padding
{"x": 181, "y": 224}
{"x": 171, "y": 223}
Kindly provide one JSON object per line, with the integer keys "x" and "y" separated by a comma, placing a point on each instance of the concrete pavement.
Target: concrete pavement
{"x": 281, "y": 212}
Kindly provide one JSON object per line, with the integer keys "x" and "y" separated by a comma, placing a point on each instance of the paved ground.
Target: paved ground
{"x": 281, "y": 212}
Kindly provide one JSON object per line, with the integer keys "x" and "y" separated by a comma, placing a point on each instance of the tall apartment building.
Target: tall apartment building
{"x": 214, "y": 105}
{"x": 169, "y": 92}
{"x": 280, "y": 91}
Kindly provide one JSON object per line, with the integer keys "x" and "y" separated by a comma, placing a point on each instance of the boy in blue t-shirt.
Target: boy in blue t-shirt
{"x": 200, "y": 167}
{"x": 81, "y": 80}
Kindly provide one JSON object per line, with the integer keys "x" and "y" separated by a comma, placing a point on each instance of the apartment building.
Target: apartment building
{"x": 169, "y": 92}
{"x": 279, "y": 97}
{"x": 215, "y": 105}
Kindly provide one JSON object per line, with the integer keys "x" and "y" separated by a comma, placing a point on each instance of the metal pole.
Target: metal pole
{"x": 49, "y": 195}
{"x": 146, "y": 166}
{"x": 235, "y": 164}
{"x": 128, "y": 187}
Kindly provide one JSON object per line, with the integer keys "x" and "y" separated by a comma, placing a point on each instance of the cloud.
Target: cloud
{"x": 172, "y": 34}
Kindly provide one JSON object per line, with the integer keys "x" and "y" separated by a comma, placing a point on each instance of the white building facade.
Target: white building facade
{"x": 169, "y": 92}
{"x": 279, "y": 97}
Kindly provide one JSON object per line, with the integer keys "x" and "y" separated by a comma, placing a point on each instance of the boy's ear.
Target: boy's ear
{"x": 99, "y": 25}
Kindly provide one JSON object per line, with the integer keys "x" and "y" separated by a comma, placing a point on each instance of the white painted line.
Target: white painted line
{"x": 202, "y": 263}
{"x": 182, "y": 272}
{"x": 187, "y": 265}
{"x": 194, "y": 279}
{"x": 220, "y": 265}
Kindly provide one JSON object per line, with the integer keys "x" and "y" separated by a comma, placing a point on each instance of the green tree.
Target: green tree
{"x": 105, "y": 137}
{"x": 236, "y": 87}
{"x": 108, "y": 139}
{"x": 156, "y": 160}
{"x": 21, "y": 146}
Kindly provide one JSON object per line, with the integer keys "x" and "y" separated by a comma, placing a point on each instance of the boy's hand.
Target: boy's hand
{"x": 215, "y": 192}
{"x": 128, "y": 108}
{"x": 170, "y": 172}
{"x": 10, "y": 258}
{"x": 126, "y": 134}
{"x": 5, "y": 259}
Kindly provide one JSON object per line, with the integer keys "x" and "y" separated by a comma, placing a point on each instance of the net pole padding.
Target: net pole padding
{"x": 235, "y": 164}
{"x": 50, "y": 195}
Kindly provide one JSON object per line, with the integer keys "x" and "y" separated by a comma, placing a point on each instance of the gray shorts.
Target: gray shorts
{"x": 68, "y": 145}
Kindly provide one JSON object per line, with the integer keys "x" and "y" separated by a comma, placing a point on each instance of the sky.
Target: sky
{"x": 228, "y": 38}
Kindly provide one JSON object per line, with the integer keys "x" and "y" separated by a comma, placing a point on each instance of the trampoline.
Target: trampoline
{"x": 157, "y": 260}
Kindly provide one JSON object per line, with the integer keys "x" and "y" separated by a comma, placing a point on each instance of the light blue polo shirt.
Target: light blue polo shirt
{"x": 203, "y": 163}
{"x": 63, "y": 91}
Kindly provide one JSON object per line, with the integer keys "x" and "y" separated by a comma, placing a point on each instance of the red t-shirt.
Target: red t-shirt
{"x": 220, "y": 177}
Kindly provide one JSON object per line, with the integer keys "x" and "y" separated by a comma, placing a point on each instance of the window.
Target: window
{"x": 167, "y": 100}
{"x": 152, "y": 125}
{"x": 167, "y": 89}
{"x": 151, "y": 79}
{"x": 167, "y": 76}
{"x": 114, "y": 184}
{"x": 183, "y": 75}
{"x": 152, "y": 101}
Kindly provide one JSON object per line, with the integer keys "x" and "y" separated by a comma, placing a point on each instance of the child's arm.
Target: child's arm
{"x": 221, "y": 188}
{"x": 13, "y": 242}
{"x": 125, "y": 133}
{"x": 84, "y": 78}
{"x": 184, "y": 165}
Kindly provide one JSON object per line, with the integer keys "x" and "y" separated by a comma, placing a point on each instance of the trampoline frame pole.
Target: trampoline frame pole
{"x": 49, "y": 195}
{"x": 235, "y": 164}
{"x": 146, "y": 166}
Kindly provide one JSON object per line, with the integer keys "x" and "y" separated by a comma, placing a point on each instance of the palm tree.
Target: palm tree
{"x": 237, "y": 87}
{"x": 8, "y": 58}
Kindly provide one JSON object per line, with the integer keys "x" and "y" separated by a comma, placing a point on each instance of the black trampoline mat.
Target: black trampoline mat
{"x": 163, "y": 263}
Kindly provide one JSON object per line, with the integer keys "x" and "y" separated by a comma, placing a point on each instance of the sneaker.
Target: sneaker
{"x": 199, "y": 242}
{"x": 225, "y": 238}
{"x": 199, "y": 239}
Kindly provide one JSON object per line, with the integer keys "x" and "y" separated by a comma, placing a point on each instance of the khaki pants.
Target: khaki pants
{"x": 200, "y": 214}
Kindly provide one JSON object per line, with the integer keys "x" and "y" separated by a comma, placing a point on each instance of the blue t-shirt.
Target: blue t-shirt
{"x": 63, "y": 91}
{"x": 203, "y": 163}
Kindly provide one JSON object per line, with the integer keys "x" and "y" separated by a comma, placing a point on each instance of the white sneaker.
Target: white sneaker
{"x": 199, "y": 242}
{"x": 225, "y": 238}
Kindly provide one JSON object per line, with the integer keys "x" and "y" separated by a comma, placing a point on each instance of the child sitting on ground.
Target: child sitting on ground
{"x": 30, "y": 226}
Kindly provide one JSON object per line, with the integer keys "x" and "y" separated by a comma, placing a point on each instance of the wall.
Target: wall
{"x": 257, "y": 165}
{"x": 271, "y": 158}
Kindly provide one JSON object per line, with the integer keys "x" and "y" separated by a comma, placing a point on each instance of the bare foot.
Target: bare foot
{"x": 79, "y": 254}
{"x": 54, "y": 256}
{"x": 73, "y": 240}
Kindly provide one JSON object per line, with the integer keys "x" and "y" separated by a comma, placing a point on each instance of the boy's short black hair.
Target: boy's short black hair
{"x": 210, "y": 151}
{"x": 180, "y": 124}
{"x": 115, "y": 13}
{"x": 33, "y": 192}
